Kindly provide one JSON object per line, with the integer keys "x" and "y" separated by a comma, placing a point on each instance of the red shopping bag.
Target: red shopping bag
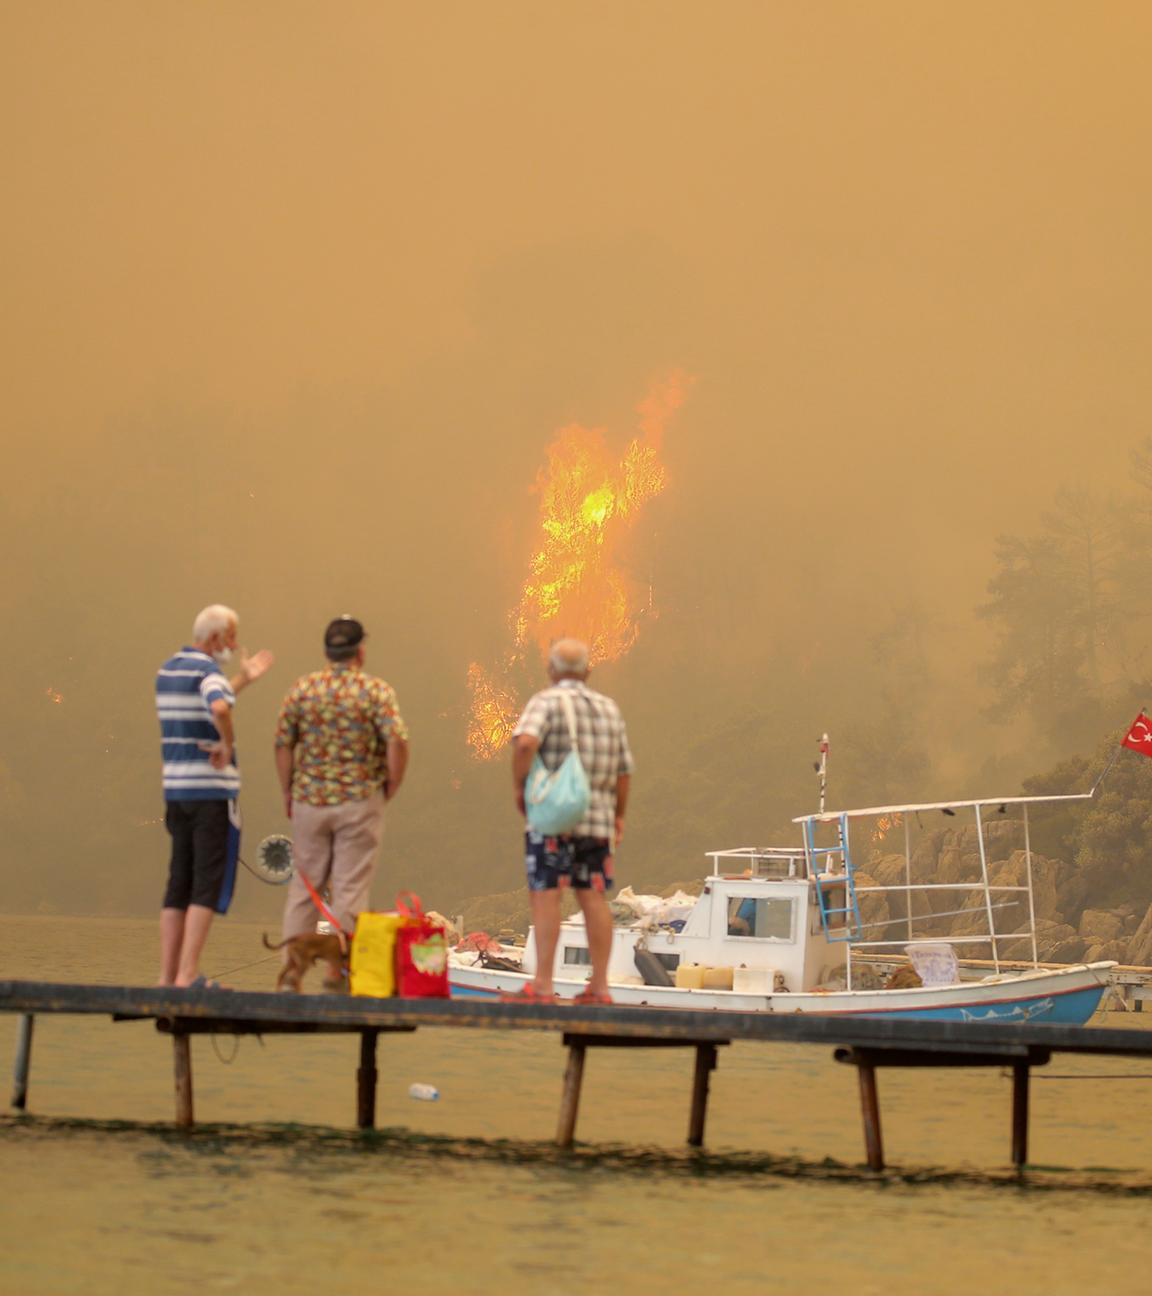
{"x": 421, "y": 952}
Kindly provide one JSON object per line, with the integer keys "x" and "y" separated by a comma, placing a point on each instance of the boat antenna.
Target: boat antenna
{"x": 821, "y": 768}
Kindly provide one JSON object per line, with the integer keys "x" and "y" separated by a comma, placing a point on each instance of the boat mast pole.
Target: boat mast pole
{"x": 822, "y": 770}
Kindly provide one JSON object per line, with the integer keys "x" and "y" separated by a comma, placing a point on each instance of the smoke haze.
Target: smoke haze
{"x": 298, "y": 295}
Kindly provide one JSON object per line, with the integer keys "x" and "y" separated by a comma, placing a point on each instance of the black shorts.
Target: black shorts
{"x": 205, "y": 847}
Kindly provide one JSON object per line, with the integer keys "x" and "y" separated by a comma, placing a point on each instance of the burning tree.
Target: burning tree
{"x": 577, "y": 583}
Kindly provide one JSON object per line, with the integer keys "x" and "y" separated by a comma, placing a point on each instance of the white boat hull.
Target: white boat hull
{"x": 1068, "y": 995}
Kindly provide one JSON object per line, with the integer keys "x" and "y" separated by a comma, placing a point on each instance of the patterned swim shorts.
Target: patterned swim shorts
{"x": 583, "y": 863}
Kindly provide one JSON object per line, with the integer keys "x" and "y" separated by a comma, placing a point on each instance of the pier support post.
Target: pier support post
{"x": 705, "y": 1065}
{"x": 23, "y": 1062}
{"x": 182, "y": 1059}
{"x": 1021, "y": 1074}
{"x": 870, "y": 1109}
{"x": 570, "y": 1102}
{"x": 366, "y": 1078}
{"x": 1020, "y": 1057}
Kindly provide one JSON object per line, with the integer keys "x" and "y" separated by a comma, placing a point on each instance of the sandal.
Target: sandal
{"x": 587, "y": 997}
{"x": 204, "y": 983}
{"x": 528, "y": 994}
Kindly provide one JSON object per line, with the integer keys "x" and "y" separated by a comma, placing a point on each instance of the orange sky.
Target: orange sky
{"x": 297, "y": 295}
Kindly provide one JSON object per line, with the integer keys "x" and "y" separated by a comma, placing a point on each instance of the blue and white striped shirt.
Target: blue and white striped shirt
{"x": 186, "y": 687}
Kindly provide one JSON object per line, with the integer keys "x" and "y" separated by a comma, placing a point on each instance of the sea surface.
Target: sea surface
{"x": 275, "y": 1191}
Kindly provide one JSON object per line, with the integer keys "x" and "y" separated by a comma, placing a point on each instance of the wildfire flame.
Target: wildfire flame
{"x": 884, "y": 825}
{"x": 576, "y": 584}
{"x": 493, "y": 713}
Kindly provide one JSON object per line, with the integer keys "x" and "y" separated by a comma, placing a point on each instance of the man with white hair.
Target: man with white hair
{"x": 194, "y": 701}
{"x": 582, "y": 858}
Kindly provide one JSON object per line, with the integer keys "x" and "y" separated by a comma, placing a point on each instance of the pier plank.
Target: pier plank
{"x": 307, "y": 1013}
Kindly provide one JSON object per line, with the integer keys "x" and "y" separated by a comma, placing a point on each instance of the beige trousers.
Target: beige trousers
{"x": 333, "y": 847}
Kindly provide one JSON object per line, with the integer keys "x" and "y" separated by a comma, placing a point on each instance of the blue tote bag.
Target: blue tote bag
{"x": 556, "y": 800}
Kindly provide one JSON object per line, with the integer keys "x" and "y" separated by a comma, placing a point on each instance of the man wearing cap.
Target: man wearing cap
{"x": 341, "y": 753}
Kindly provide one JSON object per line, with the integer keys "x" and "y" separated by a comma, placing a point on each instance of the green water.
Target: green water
{"x": 274, "y": 1189}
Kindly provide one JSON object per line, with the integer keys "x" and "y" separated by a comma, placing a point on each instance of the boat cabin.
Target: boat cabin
{"x": 757, "y": 911}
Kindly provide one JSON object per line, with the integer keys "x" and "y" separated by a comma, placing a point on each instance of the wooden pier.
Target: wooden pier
{"x": 869, "y": 1044}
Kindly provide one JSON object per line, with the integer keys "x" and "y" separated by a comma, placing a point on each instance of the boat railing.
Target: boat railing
{"x": 915, "y": 926}
{"x": 759, "y": 862}
{"x": 905, "y": 920}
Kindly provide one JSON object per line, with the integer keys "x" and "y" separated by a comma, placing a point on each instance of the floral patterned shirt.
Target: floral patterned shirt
{"x": 338, "y": 721}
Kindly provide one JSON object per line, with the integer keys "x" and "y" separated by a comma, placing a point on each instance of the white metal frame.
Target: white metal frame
{"x": 992, "y": 938}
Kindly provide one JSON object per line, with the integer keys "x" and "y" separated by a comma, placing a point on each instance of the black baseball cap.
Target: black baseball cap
{"x": 343, "y": 633}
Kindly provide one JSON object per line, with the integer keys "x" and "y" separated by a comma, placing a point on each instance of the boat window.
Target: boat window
{"x": 575, "y": 956}
{"x": 762, "y": 917}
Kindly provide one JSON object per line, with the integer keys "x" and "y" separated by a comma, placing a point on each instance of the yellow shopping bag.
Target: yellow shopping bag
{"x": 372, "y": 965}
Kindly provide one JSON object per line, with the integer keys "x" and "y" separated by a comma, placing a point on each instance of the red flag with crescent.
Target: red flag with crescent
{"x": 1139, "y": 737}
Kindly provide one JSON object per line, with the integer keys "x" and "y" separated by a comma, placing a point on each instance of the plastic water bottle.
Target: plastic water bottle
{"x": 424, "y": 1092}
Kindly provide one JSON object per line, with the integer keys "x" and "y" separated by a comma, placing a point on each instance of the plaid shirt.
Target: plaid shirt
{"x": 600, "y": 736}
{"x": 339, "y": 721}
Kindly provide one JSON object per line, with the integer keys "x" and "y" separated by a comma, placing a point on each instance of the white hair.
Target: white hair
{"x": 214, "y": 619}
{"x": 568, "y": 657}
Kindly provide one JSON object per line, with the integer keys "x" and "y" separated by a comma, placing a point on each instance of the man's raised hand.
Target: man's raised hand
{"x": 251, "y": 668}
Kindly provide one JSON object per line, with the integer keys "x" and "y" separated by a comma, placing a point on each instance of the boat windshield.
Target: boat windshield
{"x": 765, "y": 918}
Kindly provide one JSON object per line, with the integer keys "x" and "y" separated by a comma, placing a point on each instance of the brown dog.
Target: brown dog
{"x": 303, "y": 951}
{"x": 904, "y": 978}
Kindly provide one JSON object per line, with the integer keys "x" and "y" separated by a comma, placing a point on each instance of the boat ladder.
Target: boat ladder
{"x": 835, "y": 892}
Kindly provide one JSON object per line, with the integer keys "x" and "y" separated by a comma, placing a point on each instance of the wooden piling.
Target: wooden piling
{"x": 23, "y": 1062}
{"x": 570, "y": 1100}
{"x": 705, "y": 1065}
{"x": 1021, "y": 1073}
{"x": 366, "y": 1078}
{"x": 870, "y": 1109}
{"x": 182, "y": 1059}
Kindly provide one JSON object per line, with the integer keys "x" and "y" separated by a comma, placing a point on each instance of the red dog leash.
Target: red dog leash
{"x": 328, "y": 914}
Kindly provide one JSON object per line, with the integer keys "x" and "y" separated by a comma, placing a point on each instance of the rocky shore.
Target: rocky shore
{"x": 1070, "y": 928}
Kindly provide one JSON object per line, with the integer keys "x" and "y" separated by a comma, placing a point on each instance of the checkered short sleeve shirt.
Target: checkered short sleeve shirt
{"x": 601, "y": 738}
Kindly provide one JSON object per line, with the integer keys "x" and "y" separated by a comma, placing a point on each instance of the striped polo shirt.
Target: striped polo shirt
{"x": 186, "y": 687}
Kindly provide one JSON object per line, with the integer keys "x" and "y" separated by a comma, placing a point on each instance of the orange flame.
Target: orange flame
{"x": 884, "y": 825}
{"x": 493, "y": 713}
{"x": 576, "y": 585}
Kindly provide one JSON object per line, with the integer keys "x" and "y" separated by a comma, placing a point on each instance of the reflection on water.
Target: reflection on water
{"x": 240, "y": 1149}
{"x": 100, "y": 1191}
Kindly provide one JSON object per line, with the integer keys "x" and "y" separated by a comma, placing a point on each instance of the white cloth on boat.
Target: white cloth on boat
{"x": 935, "y": 962}
{"x": 654, "y": 910}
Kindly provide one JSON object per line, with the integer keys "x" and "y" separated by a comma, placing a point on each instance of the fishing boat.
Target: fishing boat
{"x": 778, "y": 929}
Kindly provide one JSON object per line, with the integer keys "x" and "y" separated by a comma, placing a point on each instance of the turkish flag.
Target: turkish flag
{"x": 1139, "y": 737}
